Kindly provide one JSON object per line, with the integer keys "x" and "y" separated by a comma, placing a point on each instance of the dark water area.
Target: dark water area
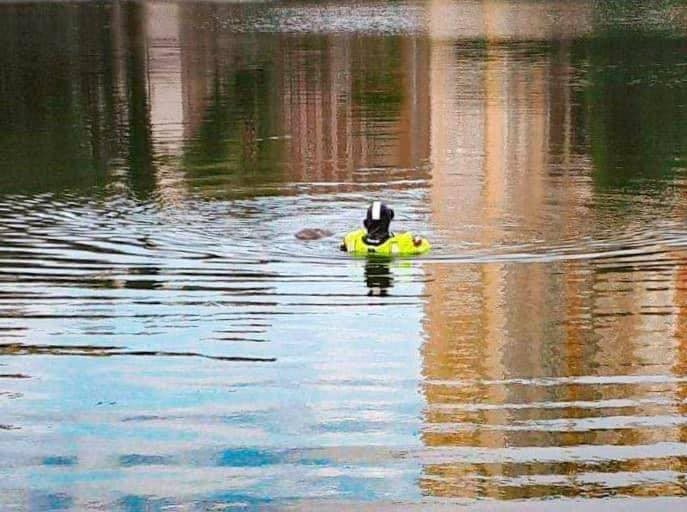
{"x": 168, "y": 343}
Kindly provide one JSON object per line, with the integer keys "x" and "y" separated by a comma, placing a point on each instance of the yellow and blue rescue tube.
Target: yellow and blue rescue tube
{"x": 404, "y": 244}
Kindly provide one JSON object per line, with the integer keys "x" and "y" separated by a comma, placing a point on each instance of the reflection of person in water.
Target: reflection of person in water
{"x": 378, "y": 277}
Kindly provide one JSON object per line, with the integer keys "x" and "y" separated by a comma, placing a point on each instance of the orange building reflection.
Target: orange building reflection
{"x": 338, "y": 109}
{"x": 508, "y": 343}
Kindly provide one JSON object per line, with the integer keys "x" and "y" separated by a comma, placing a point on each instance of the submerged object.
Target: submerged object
{"x": 313, "y": 234}
{"x": 404, "y": 244}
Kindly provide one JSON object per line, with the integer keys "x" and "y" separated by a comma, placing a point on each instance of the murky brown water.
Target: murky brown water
{"x": 166, "y": 342}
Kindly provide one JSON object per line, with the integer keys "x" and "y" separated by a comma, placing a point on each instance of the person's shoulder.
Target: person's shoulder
{"x": 411, "y": 242}
{"x": 356, "y": 233}
{"x": 406, "y": 235}
{"x": 350, "y": 240}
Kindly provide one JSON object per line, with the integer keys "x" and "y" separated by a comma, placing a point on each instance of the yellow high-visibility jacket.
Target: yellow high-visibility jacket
{"x": 404, "y": 244}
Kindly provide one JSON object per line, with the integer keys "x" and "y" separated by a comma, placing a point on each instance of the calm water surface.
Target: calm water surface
{"x": 167, "y": 343}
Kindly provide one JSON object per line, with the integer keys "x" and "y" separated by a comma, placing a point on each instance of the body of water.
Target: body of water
{"x": 167, "y": 343}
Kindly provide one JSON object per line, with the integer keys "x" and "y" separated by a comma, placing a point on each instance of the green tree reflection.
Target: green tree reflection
{"x": 232, "y": 151}
{"x": 634, "y": 102}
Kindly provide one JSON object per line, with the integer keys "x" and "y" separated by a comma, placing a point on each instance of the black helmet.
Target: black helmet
{"x": 377, "y": 221}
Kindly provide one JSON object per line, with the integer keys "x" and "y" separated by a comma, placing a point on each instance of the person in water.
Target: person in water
{"x": 377, "y": 239}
